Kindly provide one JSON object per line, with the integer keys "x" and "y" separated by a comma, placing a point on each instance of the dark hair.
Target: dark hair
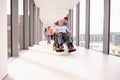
{"x": 66, "y": 18}
{"x": 45, "y": 29}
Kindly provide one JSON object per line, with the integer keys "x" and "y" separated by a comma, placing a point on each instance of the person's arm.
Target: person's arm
{"x": 51, "y": 31}
{"x": 55, "y": 31}
{"x": 69, "y": 31}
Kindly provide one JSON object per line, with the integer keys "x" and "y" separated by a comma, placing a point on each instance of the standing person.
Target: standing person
{"x": 65, "y": 21}
{"x": 45, "y": 35}
{"x": 51, "y": 34}
{"x": 48, "y": 32}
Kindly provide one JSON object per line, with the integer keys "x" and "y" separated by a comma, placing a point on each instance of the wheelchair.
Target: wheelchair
{"x": 56, "y": 44}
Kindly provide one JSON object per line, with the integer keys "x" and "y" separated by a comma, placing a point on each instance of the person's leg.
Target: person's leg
{"x": 51, "y": 36}
{"x": 60, "y": 39}
{"x": 67, "y": 38}
{"x": 70, "y": 40}
{"x": 69, "y": 43}
{"x": 45, "y": 37}
{"x": 49, "y": 39}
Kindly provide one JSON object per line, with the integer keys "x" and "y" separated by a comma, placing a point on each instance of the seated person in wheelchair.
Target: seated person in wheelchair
{"x": 65, "y": 21}
{"x": 63, "y": 32}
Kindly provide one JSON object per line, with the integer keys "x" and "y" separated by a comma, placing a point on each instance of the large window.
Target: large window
{"x": 115, "y": 28}
{"x": 74, "y": 25}
{"x": 82, "y": 22}
{"x": 9, "y": 28}
{"x": 96, "y": 24}
{"x": 20, "y": 24}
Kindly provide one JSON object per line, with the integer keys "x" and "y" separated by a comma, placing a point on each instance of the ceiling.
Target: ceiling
{"x": 53, "y": 10}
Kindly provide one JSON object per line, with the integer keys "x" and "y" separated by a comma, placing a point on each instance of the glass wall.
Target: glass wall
{"x": 115, "y": 28}
{"x": 96, "y": 24}
{"x": 82, "y": 22}
{"x": 20, "y": 24}
{"x": 9, "y": 27}
{"x": 74, "y": 25}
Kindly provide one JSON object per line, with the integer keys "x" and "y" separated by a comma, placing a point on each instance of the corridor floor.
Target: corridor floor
{"x": 40, "y": 62}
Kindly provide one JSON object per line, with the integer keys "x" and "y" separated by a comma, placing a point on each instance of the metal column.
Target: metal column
{"x": 77, "y": 23}
{"x": 15, "y": 38}
{"x": 35, "y": 24}
{"x": 38, "y": 27}
{"x": 26, "y": 26}
{"x": 87, "y": 30}
{"x": 31, "y": 24}
{"x": 72, "y": 21}
{"x": 106, "y": 32}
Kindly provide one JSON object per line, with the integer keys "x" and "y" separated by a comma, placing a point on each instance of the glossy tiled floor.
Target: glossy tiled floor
{"x": 42, "y": 63}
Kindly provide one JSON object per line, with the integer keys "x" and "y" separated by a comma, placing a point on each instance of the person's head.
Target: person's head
{"x": 45, "y": 29}
{"x": 65, "y": 20}
{"x": 60, "y": 22}
{"x": 48, "y": 27}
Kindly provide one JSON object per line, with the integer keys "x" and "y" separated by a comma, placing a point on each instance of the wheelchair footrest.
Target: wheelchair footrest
{"x": 59, "y": 50}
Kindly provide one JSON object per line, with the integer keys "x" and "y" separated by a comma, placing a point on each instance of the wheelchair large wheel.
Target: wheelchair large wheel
{"x": 54, "y": 46}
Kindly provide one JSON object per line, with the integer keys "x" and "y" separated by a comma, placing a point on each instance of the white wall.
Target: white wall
{"x": 3, "y": 38}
